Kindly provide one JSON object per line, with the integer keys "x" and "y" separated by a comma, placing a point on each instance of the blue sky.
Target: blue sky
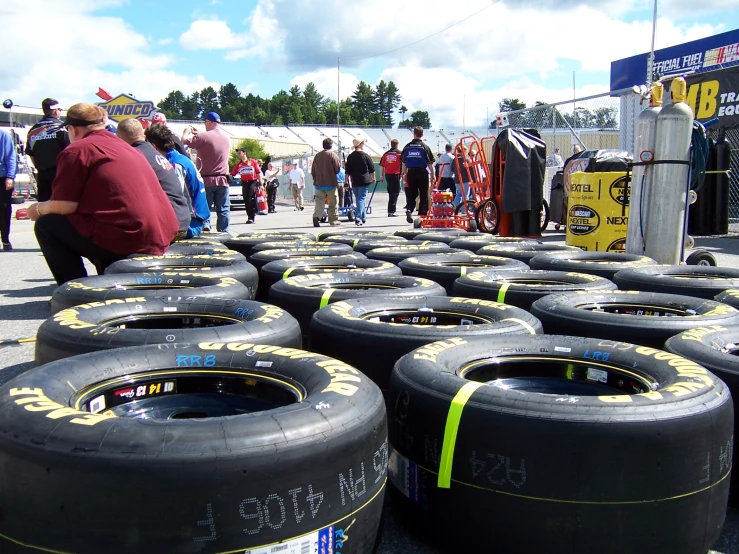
{"x": 527, "y": 49}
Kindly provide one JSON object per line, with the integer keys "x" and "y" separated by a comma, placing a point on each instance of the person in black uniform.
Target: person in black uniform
{"x": 418, "y": 170}
{"x": 45, "y": 140}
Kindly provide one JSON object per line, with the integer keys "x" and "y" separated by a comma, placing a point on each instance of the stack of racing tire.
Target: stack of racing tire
{"x": 256, "y": 393}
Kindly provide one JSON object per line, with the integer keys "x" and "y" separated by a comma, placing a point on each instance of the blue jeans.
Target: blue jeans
{"x": 458, "y": 197}
{"x": 361, "y": 194}
{"x": 218, "y": 196}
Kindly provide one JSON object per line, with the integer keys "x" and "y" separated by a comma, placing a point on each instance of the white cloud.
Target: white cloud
{"x": 164, "y": 41}
{"x": 326, "y": 82}
{"x": 82, "y": 61}
{"x": 208, "y": 34}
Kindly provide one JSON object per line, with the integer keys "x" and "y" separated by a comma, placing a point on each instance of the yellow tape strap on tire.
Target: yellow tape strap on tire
{"x": 287, "y": 273}
{"x": 450, "y": 432}
{"x": 502, "y": 291}
{"x": 324, "y": 299}
{"x": 463, "y": 271}
{"x": 356, "y": 241}
{"x": 522, "y": 323}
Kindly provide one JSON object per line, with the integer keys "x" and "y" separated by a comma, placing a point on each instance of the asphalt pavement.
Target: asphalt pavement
{"x": 26, "y": 287}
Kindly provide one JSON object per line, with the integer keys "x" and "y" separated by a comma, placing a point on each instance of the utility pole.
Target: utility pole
{"x": 338, "y": 105}
{"x": 650, "y": 62}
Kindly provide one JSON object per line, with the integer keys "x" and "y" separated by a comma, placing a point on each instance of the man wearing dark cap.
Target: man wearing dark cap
{"x": 45, "y": 140}
{"x": 106, "y": 202}
{"x": 213, "y": 148}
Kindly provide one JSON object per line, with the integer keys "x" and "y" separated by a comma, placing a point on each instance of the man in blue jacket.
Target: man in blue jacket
{"x": 8, "y": 165}
{"x": 163, "y": 141}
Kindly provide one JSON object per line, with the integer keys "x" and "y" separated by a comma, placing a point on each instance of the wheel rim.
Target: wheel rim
{"x": 426, "y": 317}
{"x": 171, "y": 321}
{"x": 624, "y": 308}
{"x": 184, "y": 394}
{"x": 488, "y": 216}
{"x": 549, "y": 375}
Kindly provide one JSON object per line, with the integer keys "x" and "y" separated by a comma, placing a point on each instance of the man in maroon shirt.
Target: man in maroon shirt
{"x": 106, "y": 202}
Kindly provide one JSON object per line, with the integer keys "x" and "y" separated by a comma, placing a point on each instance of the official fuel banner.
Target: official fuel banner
{"x": 715, "y": 94}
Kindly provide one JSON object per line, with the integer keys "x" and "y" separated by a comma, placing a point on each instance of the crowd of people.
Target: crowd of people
{"x": 105, "y": 193}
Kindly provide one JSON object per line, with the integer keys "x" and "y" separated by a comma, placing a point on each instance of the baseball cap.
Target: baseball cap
{"x": 159, "y": 117}
{"x": 213, "y": 116}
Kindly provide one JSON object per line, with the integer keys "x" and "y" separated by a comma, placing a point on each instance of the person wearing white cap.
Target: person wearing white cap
{"x": 360, "y": 173}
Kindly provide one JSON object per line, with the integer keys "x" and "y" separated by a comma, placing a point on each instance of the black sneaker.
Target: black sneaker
{"x": 316, "y": 222}
{"x": 7, "y": 246}
{"x": 249, "y": 221}
{"x": 408, "y": 216}
{"x": 392, "y": 215}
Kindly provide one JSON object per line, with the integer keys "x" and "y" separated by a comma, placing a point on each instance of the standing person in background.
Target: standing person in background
{"x": 297, "y": 184}
{"x": 131, "y": 132}
{"x": 250, "y": 175}
{"x": 418, "y": 171}
{"x": 160, "y": 119}
{"x": 272, "y": 185}
{"x": 390, "y": 172}
{"x": 324, "y": 169}
{"x": 445, "y": 165}
{"x": 360, "y": 172}
{"x": 8, "y": 167}
{"x": 341, "y": 188}
{"x": 213, "y": 148}
{"x": 162, "y": 139}
{"x": 107, "y": 202}
{"x": 461, "y": 174}
{"x": 44, "y": 142}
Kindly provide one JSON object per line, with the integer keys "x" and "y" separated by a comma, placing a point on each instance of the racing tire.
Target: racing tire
{"x": 373, "y": 233}
{"x": 274, "y": 245}
{"x": 521, "y": 287}
{"x": 303, "y": 295}
{"x": 603, "y": 264}
{"x": 484, "y": 432}
{"x": 690, "y": 280}
{"x": 447, "y": 236}
{"x": 246, "y": 243}
{"x": 338, "y": 265}
{"x": 211, "y": 265}
{"x": 730, "y": 297}
{"x": 216, "y": 236}
{"x": 364, "y": 246}
{"x": 260, "y": 259}
{"x": 473, "y": 243}
{"x": 544, "y": 215}
{"x": 487, "y": 216}
{"x": 409, "y": 234}
{"x": 353, "y": 240}
{"x": 395, "y": 254}
{"x": 203, "y": 248}
{"x": 352, "y": 329}
{"x": 237, "y": 447}
{"x": 16, "y": 200}
{"x": 524, "y": 251}
{"x": 148, "y": 285}
{"x": 351, "y": 215}
{"x": 714, "y": 348}
{"x": 137, "y": 321}
{"x": 446, "y": 268}
{"x": 646, "y": 318}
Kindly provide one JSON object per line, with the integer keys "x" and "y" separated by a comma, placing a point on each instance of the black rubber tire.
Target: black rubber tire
{"x": 690, "y": 280}
{"x": 260, "y": 259}
{"x": 473, "y": 243}
{"x": 215, "y": 236}
{"x": 446, "y": 268}
{"x": 204, "y": 248}
{"x": 341, "y": 265}
{"x": 353, "y": 329}
{"x": 591, "y": 314}
{"x": 603, "y": 264}
{"x": 374, "y": 233}
{"x": 365, "y": 246}
{"x": 396, "y": 254}
{"x": 575, "y": 454}
{"x": 487, "y": 216}
{"x": 275, "y": 245}
{"x": 213, "y": 484}
{"x": 409, "y": 234}
{"x": 447, "y": 236}
{"x": 465, "y": 208}
{"x": 702, "y": 258}
{"x": 524, "y": 251}
{"x": 166, "y": 320}
{"x": 303, "y": 295}
{"x": 351, "y": 215}
{"x": 730, "y": 297}
{"x": 212, "y": 265}
{"x": 544, "y": 215}
{"x": 715, "y": 348}
{"x": 353, "y": 240}
{"x": 245, "y": 243}
{"x": 521, "y": 287}
{"x": 148, "y": 285}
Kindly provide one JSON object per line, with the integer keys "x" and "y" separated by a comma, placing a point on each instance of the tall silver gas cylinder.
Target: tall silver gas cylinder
{"x": 664, "y": 235}
{"x": 641, "y": 178}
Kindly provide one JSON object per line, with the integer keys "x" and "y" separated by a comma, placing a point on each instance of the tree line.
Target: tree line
{"x": 579, "y": 118}
{"x": 367, "y": 105}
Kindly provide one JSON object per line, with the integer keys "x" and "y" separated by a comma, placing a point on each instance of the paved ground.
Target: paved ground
{"x": 26, "y": 286}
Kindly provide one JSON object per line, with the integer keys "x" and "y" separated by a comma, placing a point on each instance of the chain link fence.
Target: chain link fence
{"x": 604, "y": 121}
